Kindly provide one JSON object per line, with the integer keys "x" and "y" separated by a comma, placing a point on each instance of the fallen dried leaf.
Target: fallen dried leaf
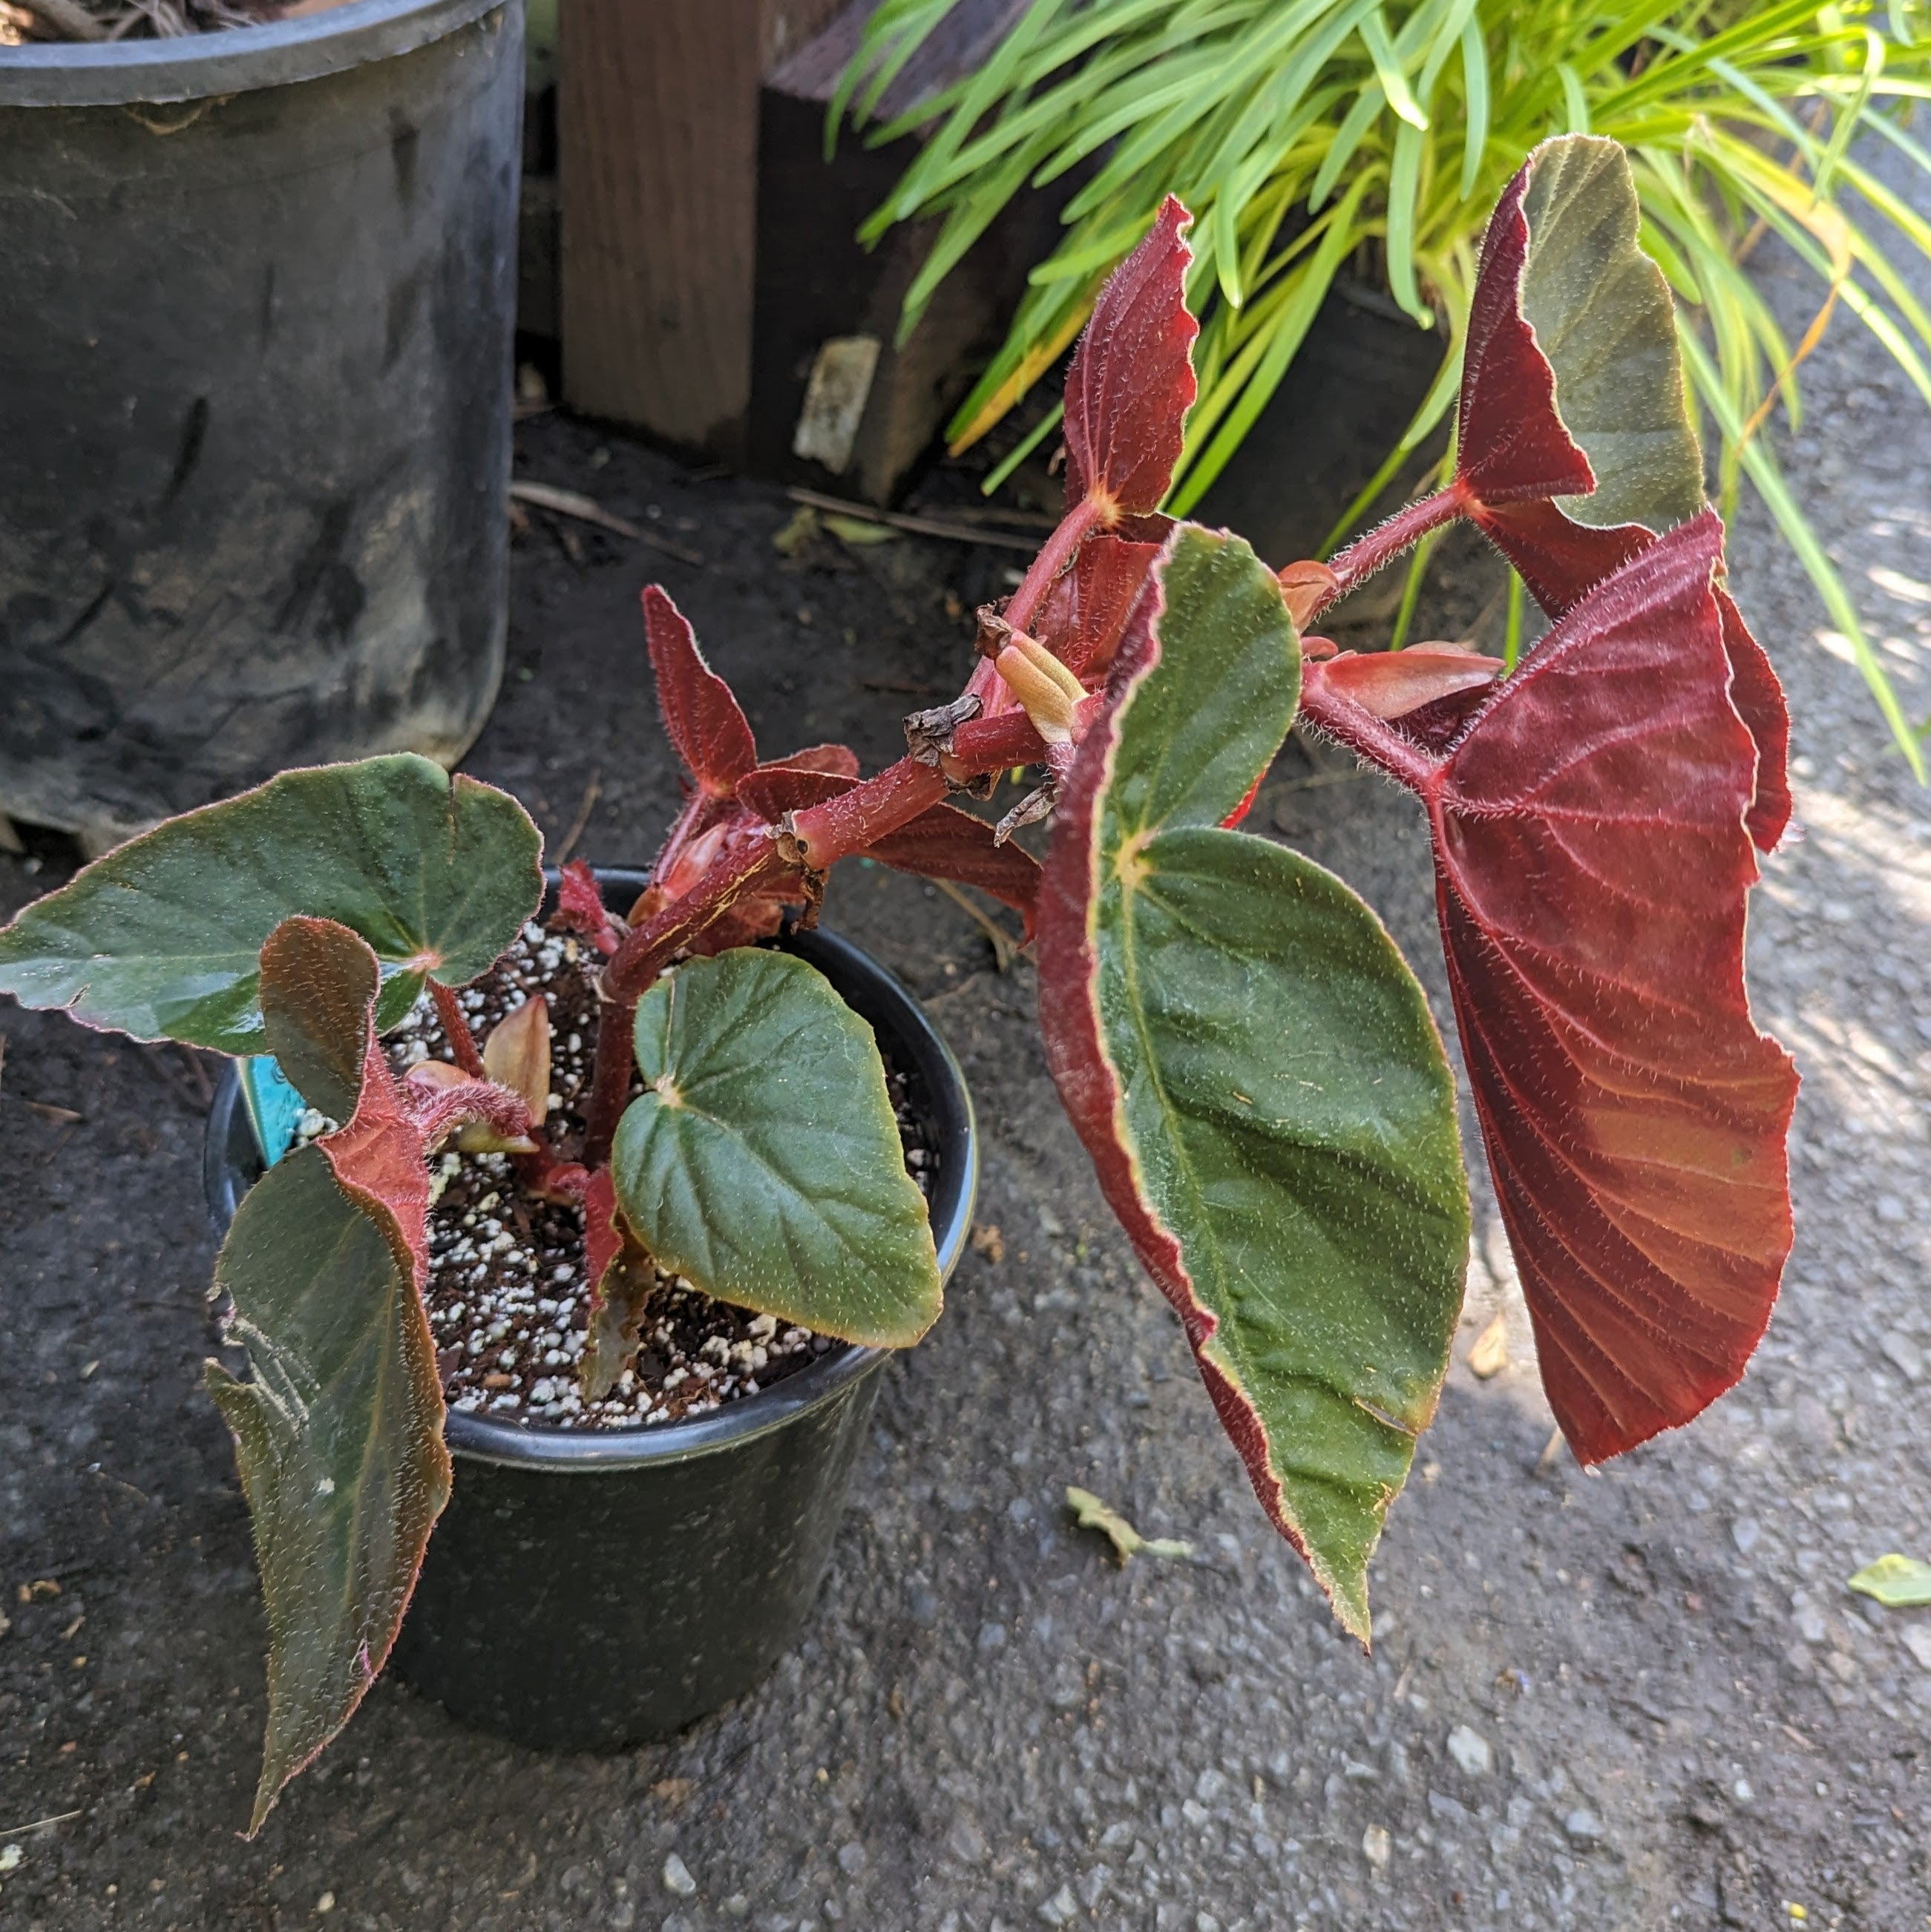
{"x": 1092, "y": 1513}
{"x": 1489, "y": 1353}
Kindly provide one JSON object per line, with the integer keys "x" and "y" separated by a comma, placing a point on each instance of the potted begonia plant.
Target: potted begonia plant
{"x": 1250, "y": 1062}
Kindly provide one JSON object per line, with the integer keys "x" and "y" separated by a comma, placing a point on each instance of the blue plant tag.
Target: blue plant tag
{"x": 274, "y": 1107}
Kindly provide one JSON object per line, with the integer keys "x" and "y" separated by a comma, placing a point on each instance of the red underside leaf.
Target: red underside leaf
{"x": 772, "y": 791}
{"x": 1131, "y": 382}
{"x": 1082, "y": 618}
{"x": 1592, "y": 868}
{"x": 701, "y": 718}
{"x": 1512, "y": 445}
{"x": 1390, "y": 684}
{"x": 840, "y": 760}
{"x": 1240, "y": 812}
{"x": 946, "y": 843}
{"x": 1559, "y": 560}
{"x": 1758, "y": 698}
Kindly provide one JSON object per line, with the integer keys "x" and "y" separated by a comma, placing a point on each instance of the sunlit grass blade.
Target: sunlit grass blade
{"x": 1024, "y": 448}
{"x": 1769, "y": 484}
{"x": 1474, "y": 87}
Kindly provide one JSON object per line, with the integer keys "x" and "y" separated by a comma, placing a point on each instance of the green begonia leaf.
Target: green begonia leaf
{"x": 763, "y": 1161}
{"x": 338, "y": 1433}
{"x": 1254, "y": 1070}
{"x": 161, "y": 938}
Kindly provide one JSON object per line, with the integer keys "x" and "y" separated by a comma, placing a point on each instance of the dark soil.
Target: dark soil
{"x": 508, "y": 1293}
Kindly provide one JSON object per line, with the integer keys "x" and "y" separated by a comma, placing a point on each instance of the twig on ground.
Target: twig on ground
{"x": 587, "y": 510}
{"x": 592, "y": 792}
{"x": 41, "y": 1824}
{"x": 1005, "y": 948}
{"x": 918, "y": 526}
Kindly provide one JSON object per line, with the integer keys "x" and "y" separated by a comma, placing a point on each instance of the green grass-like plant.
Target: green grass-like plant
{"x": 1304, "y": 133}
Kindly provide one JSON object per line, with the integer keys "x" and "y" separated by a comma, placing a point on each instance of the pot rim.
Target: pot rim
{"x": 473, "y": 1437}
{"x": 231, "y": 60}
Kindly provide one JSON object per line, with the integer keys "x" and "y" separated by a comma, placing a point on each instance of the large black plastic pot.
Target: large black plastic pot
{"x": 591, "y": 1588}
{"x": 257, "y": 293}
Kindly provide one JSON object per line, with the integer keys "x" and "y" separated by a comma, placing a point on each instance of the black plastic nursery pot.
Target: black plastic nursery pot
{"x": 257, "y": 291}
{"x": 590, "y": 1588}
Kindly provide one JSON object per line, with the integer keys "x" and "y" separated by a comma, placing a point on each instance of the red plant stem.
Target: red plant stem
{"x": 745, "y": 868}
{"x": 1078, "y": 523}
{"x": 610, "y": 1077}
{"x": 1385, "y": 542}
{"x": 1360, "y": 731}
{"x": 456, "y": 1029}
{"x": 823, "y": 834}
{"x": 850, "y": 822}
{"x": 1075, "y": 527}
{"x": 994, "y": 745}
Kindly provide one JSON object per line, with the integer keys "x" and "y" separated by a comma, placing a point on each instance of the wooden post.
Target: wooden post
{"x": 820, "y": 294}
{"x": 657, "y": 119}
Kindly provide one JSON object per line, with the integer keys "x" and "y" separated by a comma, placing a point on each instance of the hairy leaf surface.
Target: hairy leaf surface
{"x": 162, "y": 938}
{"x": 622, "y": 1280}
{"x": 1593, "y": 863}
{"x": 318, "y": 986}
{"x": 1131, "y": 381}
{"x": 1254, "y": 1069}
{"x": 338, "y": 1433}
{"x": 763, "y": 1161}
{"x": 1082, "y": 617}
{"x": 1576, "y": 445}
{"x": 706, "y": 727}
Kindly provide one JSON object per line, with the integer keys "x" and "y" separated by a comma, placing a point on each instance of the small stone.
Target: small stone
{"x": 1811, "y": 1623}
{"x": 1916, "y": 1639}
{"x": 852, "y": 1859}
{"x": 677, "y": 1876}
{"x": 1470, "y": 1751}
{"x": 1744, "y": 1533}
{"x": 326, "y": 1902}
{"x": 1741, "y": 1792}
{"x": 1376, "y": 1847}
{"x": 1905, "y": 1355}
{"x": 991, "y": 1637}
{"x": 1061, "y": 1909}
{"x": 1584, "y": 1827}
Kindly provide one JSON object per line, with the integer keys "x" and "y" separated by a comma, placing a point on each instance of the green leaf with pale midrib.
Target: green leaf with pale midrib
{"x": 1285, "y": 1102}
{"x": 1326, "y": 1225}
{"x": 339, "y": 1438}
{"x": 763, "y": 1162}
{"x": 162, "y": 937}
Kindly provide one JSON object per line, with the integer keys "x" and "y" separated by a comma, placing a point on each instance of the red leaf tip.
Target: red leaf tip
{"x": 1132, "y": 382}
